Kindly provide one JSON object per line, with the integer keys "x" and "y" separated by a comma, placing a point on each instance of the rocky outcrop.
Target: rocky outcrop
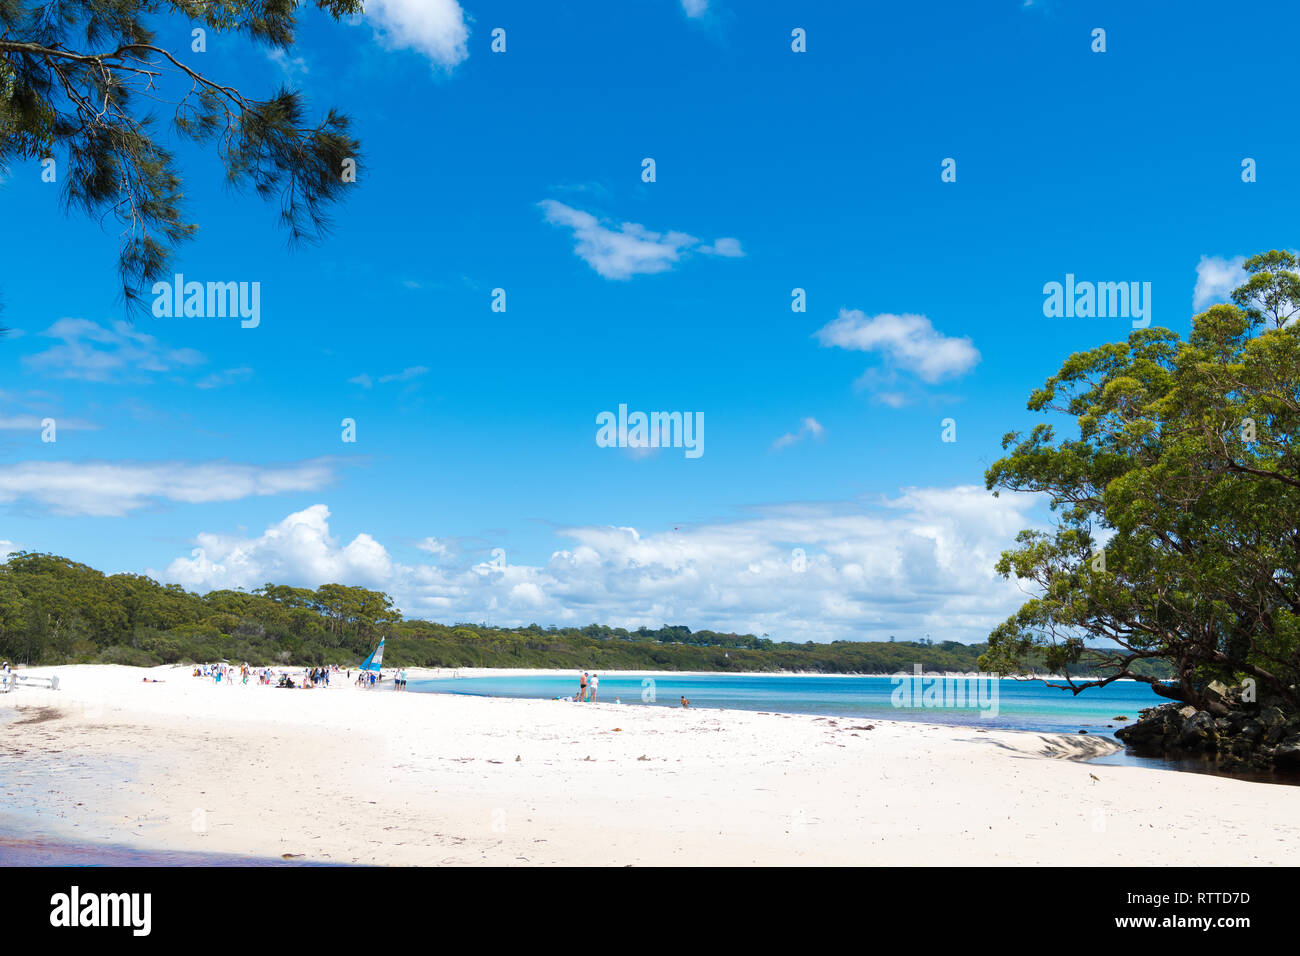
{"x": 1241, "y": 735}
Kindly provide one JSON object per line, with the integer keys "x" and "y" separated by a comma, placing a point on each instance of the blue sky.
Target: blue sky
{"x": 211, "y": 455}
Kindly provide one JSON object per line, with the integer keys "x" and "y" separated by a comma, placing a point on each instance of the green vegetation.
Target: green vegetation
{"x": 82, "y": 82}
{"x": 1186, "y": 456}
{"x": 56, "y": 611}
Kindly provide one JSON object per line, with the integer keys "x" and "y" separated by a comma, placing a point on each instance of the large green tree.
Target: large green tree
{"x": 77, "y": 81}
{"x": 1177, "y": 503}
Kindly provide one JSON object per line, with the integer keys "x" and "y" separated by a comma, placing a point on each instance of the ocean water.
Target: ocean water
{"x": 1006, "y": 704}
{"x": 1020, "y": 705}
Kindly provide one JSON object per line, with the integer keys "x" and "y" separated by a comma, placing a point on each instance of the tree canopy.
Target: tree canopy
{"x": 77, "y": 78}
{"x": 55, "y": 611}
{"x": 1177, "y": 528}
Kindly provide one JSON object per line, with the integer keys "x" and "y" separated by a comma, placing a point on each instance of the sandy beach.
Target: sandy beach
{"x": 345, "y": 775}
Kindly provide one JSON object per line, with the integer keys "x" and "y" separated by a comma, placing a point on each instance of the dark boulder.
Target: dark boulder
{"x": 1286, "y": 756}
{"x": 1152, "y": 726}
{"x": 1274, "y": 723}
{"x": 1198, "y": 732}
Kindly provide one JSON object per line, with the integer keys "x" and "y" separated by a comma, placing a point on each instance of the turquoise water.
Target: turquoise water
{"x": 1020, "y": 705}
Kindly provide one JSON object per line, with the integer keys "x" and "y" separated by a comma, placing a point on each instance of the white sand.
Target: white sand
{"x": 349, "y": 775}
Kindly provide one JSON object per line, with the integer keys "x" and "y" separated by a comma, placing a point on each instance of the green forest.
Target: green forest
{"x": 56, "y": 611}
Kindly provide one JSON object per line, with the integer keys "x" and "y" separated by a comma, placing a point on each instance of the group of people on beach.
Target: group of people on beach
{"x": 307, "y": 677}
{"x": 226, "y": 673}
{"x": 587, "y": 685}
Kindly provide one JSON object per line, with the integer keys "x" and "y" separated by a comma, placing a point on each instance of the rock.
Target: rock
{"x": 1156, "y": 723}
{"x": 1274, "y": 722}
{"x": 1237, "y": 720}
{"x": 1286, "y": 756}
{"x": 1252, "y": 730}
{"x": 1198, "y": 733}
{"x": 1187, "y": 712}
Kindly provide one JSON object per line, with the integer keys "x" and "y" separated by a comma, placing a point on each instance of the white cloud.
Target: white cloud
{"x": 909, "y": 341}
{"x": 435, "y": 28}
{"x": 299, "y": 548}
{"x": 96, "y": 353}
{"x": 22, "y": 423}
{"x": 1215, "y": 279}
{"x": 293, "y": 67}
{"x": 728, "y": 248}
{"x": 434, "y": 547}
{"x": 918, "y": 562}
{"x": 225, "y": 377}
{"x": 7, "y": 548}
{"x": 116, "y": 488}
{"x": 630, "y": 249}
{"x": 809, "y": 426}
{"x": 409, "y": 374}
{"x": 695, "y": 8}
{"x": 405, "y": 375}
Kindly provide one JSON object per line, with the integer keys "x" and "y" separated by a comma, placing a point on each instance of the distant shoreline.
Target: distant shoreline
{"x": 420, "y": 673}
{"x": 447, "y": 673}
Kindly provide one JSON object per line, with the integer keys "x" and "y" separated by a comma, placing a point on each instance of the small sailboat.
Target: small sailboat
{"x": 376, "y": 658}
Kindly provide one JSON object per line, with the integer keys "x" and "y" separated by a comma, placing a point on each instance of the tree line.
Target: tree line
{"x": 57, "y": 611}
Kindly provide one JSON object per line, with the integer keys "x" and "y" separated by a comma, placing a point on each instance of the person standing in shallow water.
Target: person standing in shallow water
{"x": 582, "y": 686}
{"x": 595, "y": 682}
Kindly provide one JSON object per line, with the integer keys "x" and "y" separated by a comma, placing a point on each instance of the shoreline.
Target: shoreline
{"x": 474, "y": 672}
{"x": 440, "y": 673}
{"x": 342, "y": 775}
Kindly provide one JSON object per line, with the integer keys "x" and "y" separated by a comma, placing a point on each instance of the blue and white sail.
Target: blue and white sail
{"x": 376, "y": 657}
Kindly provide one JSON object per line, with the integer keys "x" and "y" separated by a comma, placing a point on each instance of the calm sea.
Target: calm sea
{"x": 1020, "y": 705}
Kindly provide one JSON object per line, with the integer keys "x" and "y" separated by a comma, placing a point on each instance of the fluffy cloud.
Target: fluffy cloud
{"x": 435, "y": 28}
{"x": 916, "y": 563}
{"x": 629, "y": 249}
{"x": 116, "y": 488}
{"x": 695, "y": 8}
{"x": 299, "y": 548}
{"x": 7, "y": 548}
{"x": 910, "y": 342}
{"x": 116, "y": 353}
{"x": 809, "y": 426}
{"x": 1215, "y": 279}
